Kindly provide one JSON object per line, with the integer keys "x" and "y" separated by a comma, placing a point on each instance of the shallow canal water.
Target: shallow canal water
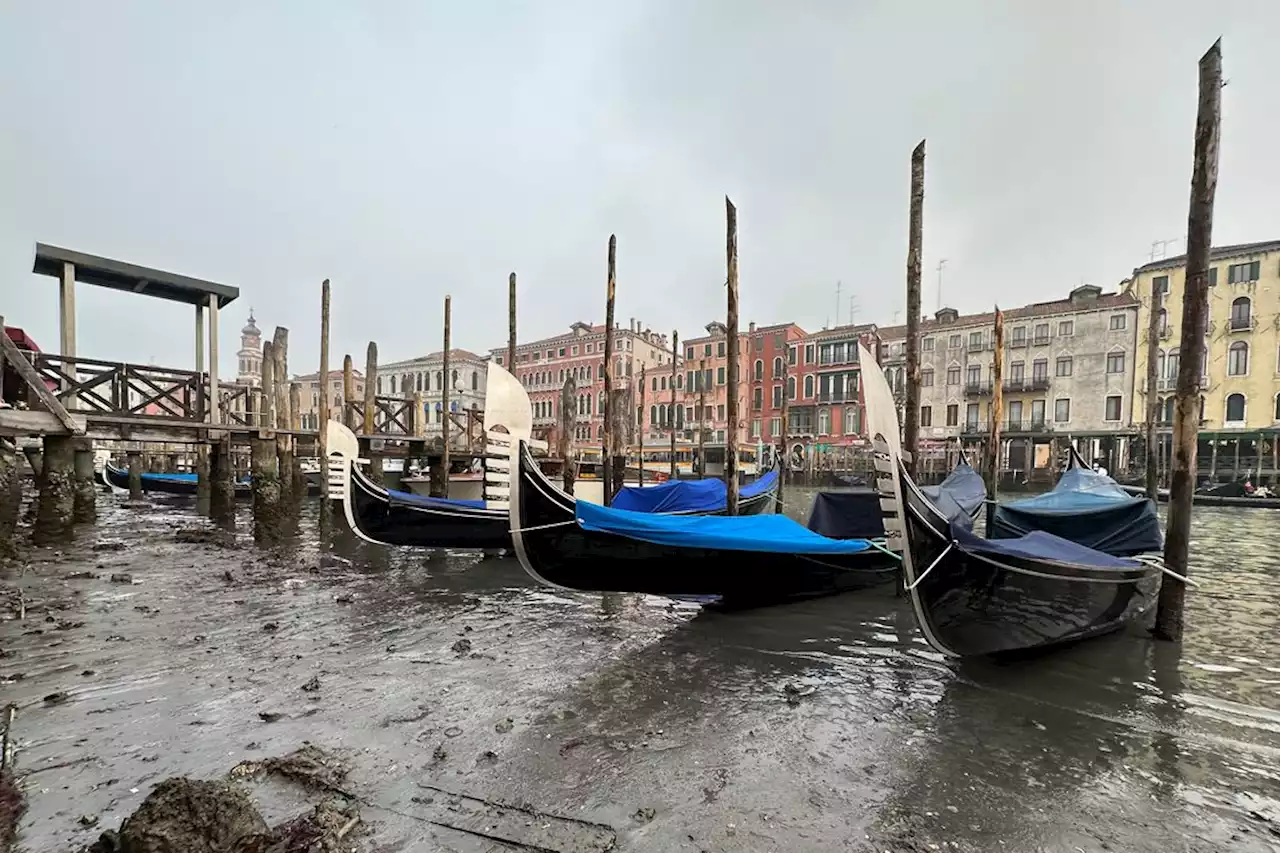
{"x": 671, "y": 726}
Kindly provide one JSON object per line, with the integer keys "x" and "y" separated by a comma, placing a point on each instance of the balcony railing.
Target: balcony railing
{"x": 977, "y": 389}
{"x": 1034, "y": 425}
{"x": 1041, "y": 340}
{"x": 842, "y": 397}
{"x": 976, "y": 346}
{"x": 1242, "y": 324}
{"x": 1018, "y": 343}
{"x": 1018, "y": 386}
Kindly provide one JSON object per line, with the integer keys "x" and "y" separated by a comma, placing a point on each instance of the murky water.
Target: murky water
{"x": 669, "y": 724}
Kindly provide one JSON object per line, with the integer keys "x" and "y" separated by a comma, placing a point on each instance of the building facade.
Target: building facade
{"x": 1068, "y": 372}
{"x": 425, "y": 375}
{"x": 309, "y": 402}
{"x": 249, "y": 356}
{"x": 826, "y": 415}
{"x": 545, "y": 365}
{"x": 706, "y": 392}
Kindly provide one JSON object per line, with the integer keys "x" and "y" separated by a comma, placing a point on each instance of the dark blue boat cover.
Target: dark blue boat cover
{"x": 1086, "y": 507}
{"x": 432, "y": 503}
{"x": 687, "y": 495}
{"x": 1035, "y": 546}
{"x": 769, "y": 533}
{"x": 174, "y": 478}
{"x": 963, "y": 485}
{"x": 847, "y": 515}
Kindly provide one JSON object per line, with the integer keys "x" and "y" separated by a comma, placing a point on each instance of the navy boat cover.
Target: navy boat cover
{"x": 854, "y": 514}
{"x": 1088, "y": 508}
{"x": 775, "y": 534}
{"x": 963, "y": 485}
{"x": 687, "y": 495}
{"x": 1037, "y": 545}
{"x": 431, "y": 503}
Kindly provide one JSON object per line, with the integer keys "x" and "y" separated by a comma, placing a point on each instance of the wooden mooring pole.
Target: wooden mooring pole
{"x": 440, "y": 474}
{"x": 778, "y": 505}
{"x": 1195, "y": 317}
{"x": 322, "y": 441}
{"x": 1153, "y": 397}
{"x": 348, "y": 393}
{"x": 915, "y": 248}
{"x": 285, "y": 460}
{"x": 640, "y": 426}
{"x": 568, "y": 415}
{"x": 991, "y": 463}
{"x": 511, "y": 323}
{"x": 606, "y": 442}
{"x": 673, "y": 420}
{"x": 264, "y": 461}
{"x": 731, "y": 397}
{"x": 370, "y": 410}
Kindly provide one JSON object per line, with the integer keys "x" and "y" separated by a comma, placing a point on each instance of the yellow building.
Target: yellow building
{"x": 1240, "y": 386}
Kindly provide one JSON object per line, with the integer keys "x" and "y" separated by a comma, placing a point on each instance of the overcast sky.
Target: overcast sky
{"x": 406, "y": 150}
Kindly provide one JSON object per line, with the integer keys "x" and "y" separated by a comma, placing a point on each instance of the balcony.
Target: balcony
{"x": 975, "y": 428}
{"x": 977, "y": 389}
{"x": 1242, "y": 324}
{"x": 1018, "y": 343}
{"x": 840, "y": 397}
{"x": 977, "y": 346}
{"x": 1032, "y": 425}
{"x": 1041, "y": 340}
{"x": 1022, "y": 386}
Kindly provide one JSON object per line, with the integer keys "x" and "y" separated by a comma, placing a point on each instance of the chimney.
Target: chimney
{"x": 632, "y": 325}
{"x": 751, "y": 327}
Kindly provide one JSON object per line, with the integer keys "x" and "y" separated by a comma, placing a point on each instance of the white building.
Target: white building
{"x": 425, "y": 374}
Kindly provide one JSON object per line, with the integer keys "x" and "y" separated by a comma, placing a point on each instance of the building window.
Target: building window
{"x": 688, "y": 353}
{"x": 719, "y": 375}
{"x": 791, "y": 387}
{"x": 1240, "y": 314}
{"x": 759, "y": 369}
{"x": 1163, "y": 323}
{"x": 973, "y": 375}
{"x": 755, "y": 428}
{"x": 926, "y": 345}
{"x": 775, "y": 427}
{"x": 1115, "y": 362}
{"x": 953, "y": 414}
{"x": 777, "y": 367}
{"x": 852, "y": 423}
{"x": 1112, "y": 409}
{"x": 777, "y": 396}
{"x": 808, "y": 386}
{"x": 1018, "y": 336}
{"x": 926, "y": 378}
{"x": 1041, "y": 334}
{"x": 1277, "y": 411}
{"x": 1160, "y": 284}
{"x": 975, "y": 341}
{"x": 1015, "y": 371}
{"x": 1117, "y": 322}
{"x": 791, "y": 354}
{"x": 1066, "y": 328}
{"x": 824, "y": 421}
{"x": 1014, "y": 420}
{"x": 719, "y": 349}
{"x": 1240, "y": 273}
{"x": 1061, "y": 410}
{"x": 926, "y": 416}
{"x": 475, "y": 381}
{"x": 1238, "y": 359}
{"x": 1063, "y": 366}
{"x": 1037, "y": 413}
{"x": 1040, "y": 370}
{"x": 808, "y": 353}
{"x": 971, "y": 416}
{"x": 953, "y": 375}
{"x": 1235, "y": 409}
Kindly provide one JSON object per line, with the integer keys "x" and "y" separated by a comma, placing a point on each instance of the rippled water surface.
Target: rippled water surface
{"x": 826, "y": 725}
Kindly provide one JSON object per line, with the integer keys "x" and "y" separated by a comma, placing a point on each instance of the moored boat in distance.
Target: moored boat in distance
{"x": 973, "y": 596}
{"x": 169, "y": 484}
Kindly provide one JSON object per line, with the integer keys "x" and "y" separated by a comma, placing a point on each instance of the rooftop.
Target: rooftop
{"x": 437, "y": 356}
{"x": 1035, "y": 310}
{"x": 1218, "y": 253}
{"x": 121, "y": 275}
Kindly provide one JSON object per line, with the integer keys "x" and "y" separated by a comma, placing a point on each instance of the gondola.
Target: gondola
{"x": 856, "y": 514}
{"x": 741, "y": 561}
{"x": 169, "y": 484}
{"x": 1088, "y": 508}
{"x": 973, "y": 596}
{"x": 392, "y": 517}
{"x": 1213, "y": 496}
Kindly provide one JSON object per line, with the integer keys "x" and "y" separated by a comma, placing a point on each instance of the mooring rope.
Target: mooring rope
{"x": 1158, "y": 563}
{"x": 915, "y": 583}
{"x": 543, "y": 526}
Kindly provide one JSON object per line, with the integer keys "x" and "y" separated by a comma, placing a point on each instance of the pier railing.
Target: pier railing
{"x": 116, "y": 388}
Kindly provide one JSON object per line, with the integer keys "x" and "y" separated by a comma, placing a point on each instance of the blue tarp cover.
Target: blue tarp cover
{"x": 687, "y": 495}
{"x": 432, "y": 503}
{"x": 1037, "y": 545}
{"x": 1088, "y": 508}
{"x": 758, "y": 533}
{"x": 177, "y": 478}
{"x": 963, "y": 485}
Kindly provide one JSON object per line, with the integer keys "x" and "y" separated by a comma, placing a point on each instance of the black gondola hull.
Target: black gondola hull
{"x": 379, "y": 517}
{"x": 971, "y": 605}
{"x": 557, "y": 551}
{"x": 162, "y": 485}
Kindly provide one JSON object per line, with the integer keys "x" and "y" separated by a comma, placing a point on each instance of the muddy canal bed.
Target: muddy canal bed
{"x": 476, "y": 711}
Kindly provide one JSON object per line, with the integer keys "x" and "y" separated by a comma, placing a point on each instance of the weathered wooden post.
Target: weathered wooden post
{"x": 568, "y": 413}
{"x": 606, "y": 444}
{"x": 348, "y": 418}
{"x": 370, "y": 410}
{"x": 322, "y": 440}
{"x": 295, "y": 426}
{"x": 56, "y": 502}
{"x": 10, "y": 495}
{"x": 702, "y": 416}
{"x": 511, "y": 323}
{"x": 446, "y": 386}
{"x": 264, "y": 461}
{"x": 731, "y": 401}
{"x": 417, "y": 446}
{"x": 1195, "y": 317}
{"x": 222, "y": 495}
{"x": 778, "y": 505}
{"x": 675, "y": 372}
{"x": 284, "y": 441}
{"x": 204, "y": 487}
{"x": 640, "y": 426}
{"x": 915, "y": 246}
{"x": 135, "y": 474}
{"x": 1153, "y": 397}
{"x": 991, "y": 463}
{"x": 86, "y": 488}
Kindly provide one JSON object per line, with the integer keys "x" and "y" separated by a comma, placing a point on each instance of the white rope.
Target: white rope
{"x": 915, "y": 583}
{"x": 1158, "y": 563}
{"x": 543, "y": 526}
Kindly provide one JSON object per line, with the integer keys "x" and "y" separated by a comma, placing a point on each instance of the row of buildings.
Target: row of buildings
{"x": 1074, "y": 367}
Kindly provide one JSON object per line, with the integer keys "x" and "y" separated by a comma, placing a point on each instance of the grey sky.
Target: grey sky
{"x": 406, "y": 150}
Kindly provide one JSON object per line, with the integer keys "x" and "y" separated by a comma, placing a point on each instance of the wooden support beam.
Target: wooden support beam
{"x": 216, "y": 416}
{"x": 641, "y": 424}
{"x": 731, "y": 401}
{"x": 67, "y": 311}
{"x": 915, "y": 248}
{"x": 675, "y": 368}
{"x": 28, "y": 373}
{"x": 992, "y": 461}
{"x": 606, "y": 445}
{"x": 348, "y": 393}
{"x": 511, "y": 323}
{"x": 1153, "y": 397}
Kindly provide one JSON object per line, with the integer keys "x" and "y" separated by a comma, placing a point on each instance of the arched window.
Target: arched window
{"x": 1238, "y": 359}
{"x": 1235, "y": 408}
{"x": 808, "y": 386}
{"x": 1202, "y": 409}
{"x": 791, "y": 387}
{"x": 418, "y": 378}
{"x": 653, "y": 415}
{"x": 393, "y": 384}
{"x": 439, "y": 380}
{"x": 662, "y": 415}
{"x": 406, "y": 383}
{"x": 1164, "y": 322}
{"x": 777, "y": 367}
{"x": 454, "y": 378}
{"x": 475, "y": 381}
{"x": 1240, "y": 307}
{"x": 759, "y": 369}
{"x": 1277, "y": 411}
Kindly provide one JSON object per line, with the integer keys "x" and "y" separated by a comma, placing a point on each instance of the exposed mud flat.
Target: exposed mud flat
{"x": 469, "y": 710}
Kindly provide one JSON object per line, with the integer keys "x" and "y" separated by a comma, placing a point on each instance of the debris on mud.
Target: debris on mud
{"x": 271, "y": 627}
{"x": 122, "y": 577}
{"x": 80, "y": 576}
{"x": 795, "y": 693}
{"x": 108, "y": 545}
{"x": 57, "y": 698}
{"x": 643, "y": 815}
{"x": 312, "y": 685}
{"x": 503, "y": 727}
{"x": 310, "y": 766}
{"x": 270, "y": 716}
{"x": 183, "y": 815}
{"x": 319, "y": 831}
{"x": 198, "y": 536}
{"x": 12, "y": 804}
{"x": 462, "y": 647}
